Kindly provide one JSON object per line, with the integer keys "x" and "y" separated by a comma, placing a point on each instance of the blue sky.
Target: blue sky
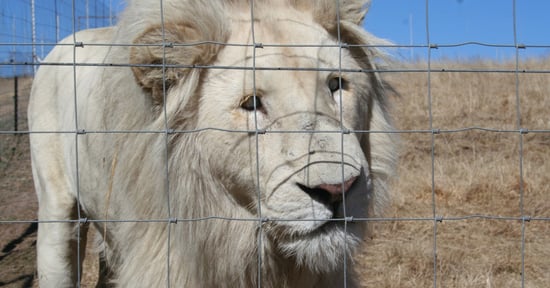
{"x": 458, "y": 21}
{"x": 400, "y": 21}
{"x": 53, "y": 21}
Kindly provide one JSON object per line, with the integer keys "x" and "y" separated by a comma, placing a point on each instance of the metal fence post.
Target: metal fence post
{"x": 15, "y": 104}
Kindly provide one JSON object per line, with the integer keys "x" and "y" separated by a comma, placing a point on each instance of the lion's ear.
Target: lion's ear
{"x": 159, "y": 45}
{"x": 354, "y": 11}
{"x": 325, "y": 12}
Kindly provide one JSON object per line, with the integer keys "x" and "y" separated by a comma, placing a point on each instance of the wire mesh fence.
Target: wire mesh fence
{"x": 455, "y": 140}
{"x": 30, "y": 29}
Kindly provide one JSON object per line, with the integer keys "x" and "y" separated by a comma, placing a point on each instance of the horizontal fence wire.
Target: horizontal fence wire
{"x": 327, "y": 69}
{"x": 28, "y": 63}
{"x": 522, "y": 131}
{"x": 350, "y": 219}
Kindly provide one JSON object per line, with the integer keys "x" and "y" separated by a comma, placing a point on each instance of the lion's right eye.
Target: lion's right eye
{"x": 248, "y": 103}
{"x": 336, "y": 83}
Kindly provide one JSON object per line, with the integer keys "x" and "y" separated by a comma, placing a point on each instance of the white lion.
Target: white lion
{"x": 212, "y": 165}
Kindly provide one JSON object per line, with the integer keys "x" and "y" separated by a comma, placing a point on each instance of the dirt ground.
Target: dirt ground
{"x": 17, "y": 199}
{"x": 475, "y": 184}
{"x": 18, "y": 202}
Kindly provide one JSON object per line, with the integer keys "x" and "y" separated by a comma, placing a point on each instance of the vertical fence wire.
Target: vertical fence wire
{"x": 76, "y": 141}
{"x": 342, "y": 135}
{"x": 520, "y": 138}
{"x": 432, "y": 141}
{"x": 260, "y": 219}
{"x": 170, "y": 220}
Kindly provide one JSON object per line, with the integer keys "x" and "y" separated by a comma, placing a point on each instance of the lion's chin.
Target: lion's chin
{"x": 325, "y": 248}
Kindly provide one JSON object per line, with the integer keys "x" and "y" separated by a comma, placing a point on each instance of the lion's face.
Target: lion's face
{"x": 280, "y": 120}
{"x": 301, "y": 171}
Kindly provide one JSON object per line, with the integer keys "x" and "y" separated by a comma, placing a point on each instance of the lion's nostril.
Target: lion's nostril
{"x": 317, "y": 194}
{"x": 328, "y": 193}
{"x": 338, "y": 189}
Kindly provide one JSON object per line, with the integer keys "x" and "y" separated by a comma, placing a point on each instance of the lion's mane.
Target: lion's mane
{"x": 212, "y": 252}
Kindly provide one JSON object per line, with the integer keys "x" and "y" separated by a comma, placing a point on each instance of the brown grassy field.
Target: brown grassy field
{"x": 474, "y": 173}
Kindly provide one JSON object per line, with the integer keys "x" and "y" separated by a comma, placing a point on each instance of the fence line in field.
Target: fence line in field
{"x": 19, "y": 60}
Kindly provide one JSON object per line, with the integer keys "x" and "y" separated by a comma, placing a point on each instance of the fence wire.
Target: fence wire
{"x": 23, "y": 63}
{"x": 31, "y": 28}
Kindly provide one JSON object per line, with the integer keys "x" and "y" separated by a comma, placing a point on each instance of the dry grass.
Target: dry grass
{"x": 475, "y": 173}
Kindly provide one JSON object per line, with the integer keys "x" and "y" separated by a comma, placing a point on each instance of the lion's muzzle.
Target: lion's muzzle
{"x": 329, "y": 194}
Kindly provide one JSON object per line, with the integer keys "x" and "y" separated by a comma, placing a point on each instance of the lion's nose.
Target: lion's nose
{"x": 329, "y": 193}
{"x": 338, "y": 189}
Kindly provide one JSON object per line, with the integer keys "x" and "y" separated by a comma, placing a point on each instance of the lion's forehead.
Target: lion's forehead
{"x": 294, "y": 42}
{"x": 324, "y": 56}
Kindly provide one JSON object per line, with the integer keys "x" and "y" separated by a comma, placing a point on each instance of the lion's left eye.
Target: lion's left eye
{"x": 336, "y": 83}
{"x": 251, "y": 102}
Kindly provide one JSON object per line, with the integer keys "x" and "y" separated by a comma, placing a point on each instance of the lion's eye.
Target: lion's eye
{"x": 336, "y": 83}
{"x": 248, "y": 103}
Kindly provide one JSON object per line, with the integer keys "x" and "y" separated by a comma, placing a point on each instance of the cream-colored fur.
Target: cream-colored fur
{"x": 288, "y": 191}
